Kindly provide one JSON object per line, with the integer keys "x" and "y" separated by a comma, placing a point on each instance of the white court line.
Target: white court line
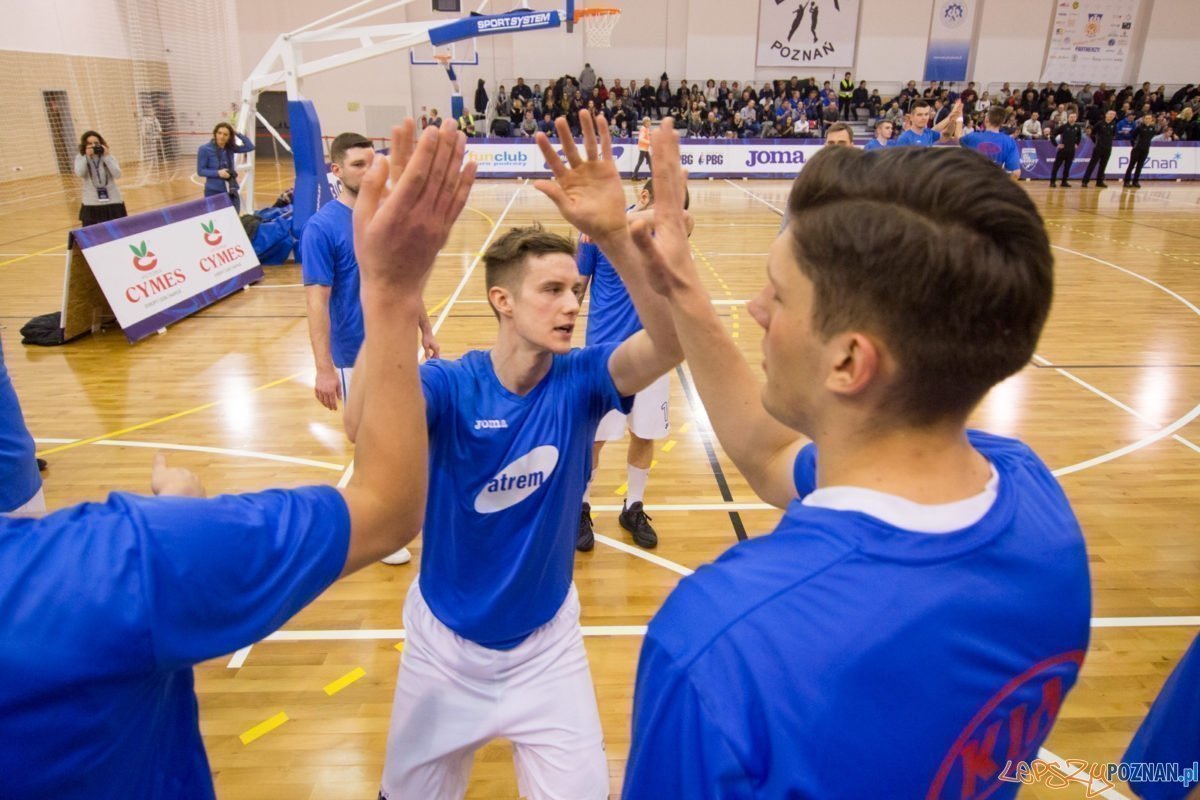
{"x": 1145, "y": 622}
{"x": 276, "y": 286}
{"x": 48, "y": 440}
{"x": 32, "y": 255}
{"x": 195, "y": 448}
{"x": 1095, "y": 788}
{"x": 344, "y": 481}
{"x": 1163, "y": 432}
{"x": 239, "y": 658}
{"x": 642, "y": 554}
{"x": 762, "y": 200}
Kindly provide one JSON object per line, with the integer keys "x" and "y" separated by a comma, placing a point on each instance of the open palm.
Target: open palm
{"x": 588, "y": 192}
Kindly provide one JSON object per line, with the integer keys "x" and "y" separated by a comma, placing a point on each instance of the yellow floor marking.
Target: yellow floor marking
{"x": 685, "y": 427}
{"x": 341, "y": 683}
{"x": 263, "y": 728}
{"x": 31, "y": 255}
{"x": 168, "y": 418}
{"x": 669, "y": 446}
{"x": 399, "y": 646}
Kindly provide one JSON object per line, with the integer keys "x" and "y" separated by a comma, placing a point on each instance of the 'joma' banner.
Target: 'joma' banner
{"x": 807, "y": 33}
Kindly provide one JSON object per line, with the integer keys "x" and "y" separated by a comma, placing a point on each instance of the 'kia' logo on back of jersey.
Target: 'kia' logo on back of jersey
{"x": 518, "y": 480}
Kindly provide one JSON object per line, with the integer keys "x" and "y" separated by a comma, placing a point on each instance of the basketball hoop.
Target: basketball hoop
{"x": 598, "y": 24}
{"x": 444, "y": 59}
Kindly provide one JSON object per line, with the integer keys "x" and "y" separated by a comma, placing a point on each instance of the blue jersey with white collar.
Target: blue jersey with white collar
{"x": 506, "y": 479}
{"x": 327, "y": 250}
{"x": 845, "y": 657}
{"x": 927, "y": 138}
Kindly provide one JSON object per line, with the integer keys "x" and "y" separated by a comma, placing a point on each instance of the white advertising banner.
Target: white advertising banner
{"x": 702, "y": 157}
{"x": 1090, "y": 40}
{"x": 951, "y": 29}
{"x": 807, "y": 33}
{"x": 161, "y": 266}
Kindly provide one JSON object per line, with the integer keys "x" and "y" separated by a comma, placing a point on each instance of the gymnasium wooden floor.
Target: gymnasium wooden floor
{"x": 1110, "y": 403}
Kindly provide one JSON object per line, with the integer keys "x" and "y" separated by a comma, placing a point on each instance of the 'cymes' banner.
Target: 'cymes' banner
{"x": 807, "y": 33}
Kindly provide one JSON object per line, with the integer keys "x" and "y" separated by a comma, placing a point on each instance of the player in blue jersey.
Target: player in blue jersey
{"x": 891, "y": 637}
{"x": 493, "y": 646}
{"x": 104, "y": 608}
{"x": 921, "y": 135}
{"x": 20, "y": 482}
{"x": 882, "y": 137}
{"x": 999, "y": 147}
{"x": 612, "y": 318}
{"x": 330, "y": 273}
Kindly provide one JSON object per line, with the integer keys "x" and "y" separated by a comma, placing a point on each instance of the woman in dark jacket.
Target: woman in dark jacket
{"x": 214, "y": 162}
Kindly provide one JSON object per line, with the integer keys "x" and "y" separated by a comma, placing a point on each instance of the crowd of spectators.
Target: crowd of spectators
{"x": 805, "y": 108}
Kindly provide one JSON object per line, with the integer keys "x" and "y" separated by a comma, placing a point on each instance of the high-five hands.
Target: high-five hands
{"x": 589, "y": 193}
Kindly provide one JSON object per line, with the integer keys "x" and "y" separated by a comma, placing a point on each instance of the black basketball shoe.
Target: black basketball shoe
{"x": 587, "y": 536}
{"x": 635, "y": 520}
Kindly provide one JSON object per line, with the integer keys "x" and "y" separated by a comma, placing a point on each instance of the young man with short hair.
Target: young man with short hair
{"x": 840, "y": 134}
{"x": 997, "y": 146}
{"x": 493, "y": 645}
{"x": 921, "y": 134}
{"x": 107, "y": 606}
{"x": 896, "y": 616}
{"x": 883, "y": 135}
{"x": 331, "y": 283}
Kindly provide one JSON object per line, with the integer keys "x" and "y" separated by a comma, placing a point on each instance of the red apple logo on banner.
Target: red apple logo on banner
{"x": 212, "y": 236}
{"x": 143, "y": 259}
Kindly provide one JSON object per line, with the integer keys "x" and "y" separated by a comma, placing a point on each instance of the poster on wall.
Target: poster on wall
{"x": 1090, "y": 40}
{"x": 951, "y": 30}
{"x": 807, "y": 33}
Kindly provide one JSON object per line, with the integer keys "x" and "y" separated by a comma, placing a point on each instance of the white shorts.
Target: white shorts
{"x": 344, "y": 375}
{"x": 454, "y": 696}
{"x": 35, "y": 504}
{"x": 647, "y": 419}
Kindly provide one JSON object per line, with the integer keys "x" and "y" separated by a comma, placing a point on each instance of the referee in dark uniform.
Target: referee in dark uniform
{"x": 1068, "y": 137}
{"x": 1102, "y": 137}
{"x": 1142, "y": 136}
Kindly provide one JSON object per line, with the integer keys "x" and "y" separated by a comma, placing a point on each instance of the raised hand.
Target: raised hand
{"x": 407, "y": 205}
{"x": 671, "y": 267}
{"x": 588, "y": 193}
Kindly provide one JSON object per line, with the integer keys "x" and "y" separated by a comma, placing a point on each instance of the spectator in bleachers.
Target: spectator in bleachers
{"x": 522, "y": 91}
{"x": 587, "y": 80}
{"x": 663, "y": 96}
{"x": 1126, "y": 126}
{"x": 1062, "y": 95}
{"x": 481, "y": 99}
{"x": 845, "y": 96}
{"x": 1191, "y": 125}
{"x": 895, "y": 115}
{"x": 646, "y": 99}
{"x": 969, "y": 96}
{"x": 1032, "y": 129}
{"x": 529, "y": 125}
{"x": 546, "y": 126}
{"x": 503, "y": 104}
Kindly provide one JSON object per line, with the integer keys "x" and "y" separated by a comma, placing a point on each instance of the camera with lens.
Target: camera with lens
{"x": 97, "y": 149}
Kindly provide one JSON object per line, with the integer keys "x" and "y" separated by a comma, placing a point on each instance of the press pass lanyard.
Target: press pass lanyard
{"x": 96, "y": 169}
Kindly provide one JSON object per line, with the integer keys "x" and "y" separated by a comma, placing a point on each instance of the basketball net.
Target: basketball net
{"x": 598, "y": 24}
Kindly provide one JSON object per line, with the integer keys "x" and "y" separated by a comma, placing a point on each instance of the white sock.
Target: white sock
{"x": 637, "y": 484}
{"x": 587, "y": 492}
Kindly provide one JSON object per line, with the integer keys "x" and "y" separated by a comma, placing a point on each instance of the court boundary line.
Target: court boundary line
{"x": 1164, "y": 430}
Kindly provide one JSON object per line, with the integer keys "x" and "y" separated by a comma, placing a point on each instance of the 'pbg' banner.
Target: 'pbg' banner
{"x": 807, "y": 33}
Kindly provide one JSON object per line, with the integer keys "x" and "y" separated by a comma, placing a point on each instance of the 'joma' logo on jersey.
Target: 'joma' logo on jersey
{"x": 518, "y": 480}
{"x": 492, "y": 424}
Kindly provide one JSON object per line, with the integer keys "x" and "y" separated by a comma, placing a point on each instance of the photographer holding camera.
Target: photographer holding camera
{"x": 214, "y": 162}
{"x": 101, "y": 200}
